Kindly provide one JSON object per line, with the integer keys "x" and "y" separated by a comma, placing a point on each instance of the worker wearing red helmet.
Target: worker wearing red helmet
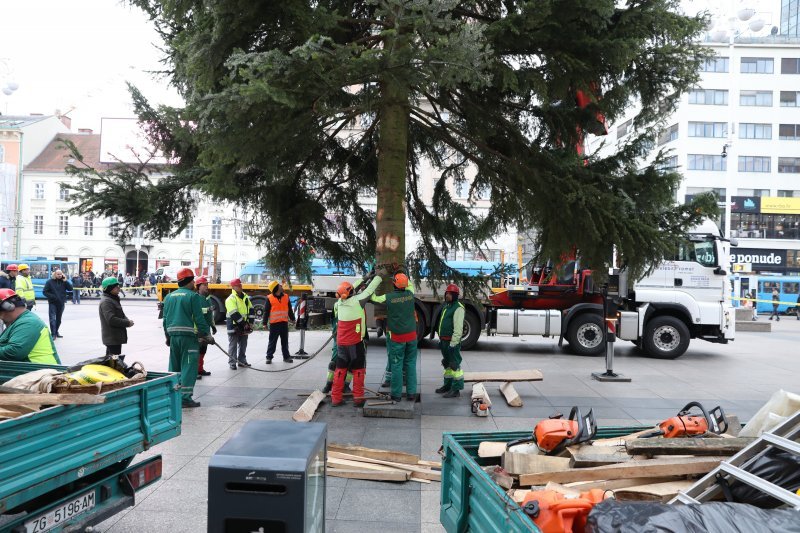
{"x": 239, "y": 318}
{"x": 401, "y": 337}
{"x": 8, "y": 278}
{"x": 26, "y": 337}
{"x": 201, "y": 286}
{"x": 450, "y": 330}
{"x": 350, "y": 333}
{"x": 184, "y": 322}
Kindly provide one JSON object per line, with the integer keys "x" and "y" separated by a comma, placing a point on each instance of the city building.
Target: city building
{"x": 790, "y": 18}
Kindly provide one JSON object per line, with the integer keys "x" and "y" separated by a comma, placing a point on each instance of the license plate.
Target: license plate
{"x": 55, "y": 517}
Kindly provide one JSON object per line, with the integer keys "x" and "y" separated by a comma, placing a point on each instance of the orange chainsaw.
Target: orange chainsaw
{"x": 553, "y": 435}
{"x": 552, "y": 512}
{"x": 692, "y": 424}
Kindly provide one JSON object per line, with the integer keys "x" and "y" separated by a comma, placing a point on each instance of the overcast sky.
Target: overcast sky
{"x": 79, "y": 53}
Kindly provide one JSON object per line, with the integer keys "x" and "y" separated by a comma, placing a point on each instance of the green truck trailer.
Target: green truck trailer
{"x": 68, "y": 467}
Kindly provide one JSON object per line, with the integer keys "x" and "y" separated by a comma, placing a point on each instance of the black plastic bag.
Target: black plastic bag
{"x": 611, "y": 516}
{"x": 776, "y": 466}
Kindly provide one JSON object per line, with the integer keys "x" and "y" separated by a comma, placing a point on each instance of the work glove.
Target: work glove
{"x": 209, "y": 339}
{"x": 213, "y": 329}
{"x": 444, "y": 363}
{"x": 454, "y": 366}
{"x": 167, "y": 341}
{"x": 332, "y": 366}
{"x": 248, "y": 328}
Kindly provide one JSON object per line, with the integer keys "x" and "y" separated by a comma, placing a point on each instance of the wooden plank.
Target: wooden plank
{"x": 510, "y": 375}
{"x": 531, "y": 463}
{"x": 510, "y": 394}
{"x": 615, "y": 484}
{"x": 424, "y": 472}
{"x": 306, "y": 411}
{"x": 51, "y": 399}
{"x": 355, "y": 465}
{"x": 700, "y": 446}
{"x": 654, "y": 492}
{"x": 430, "y": 464}
{"x": 562, "y": 489}
{"x": 584, "y": 456}
{"x": 491, "y": 449}
{"x": 620, "y": 441}
{"x": 397, "y": 475}
{"x": 415, "y": 476}
{"x": 375, "y": 453}
{"x": 651, "y": 468}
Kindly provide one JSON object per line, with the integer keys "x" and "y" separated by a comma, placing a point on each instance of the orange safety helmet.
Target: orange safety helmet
{"x": 344, "y": 290}
{"x": 400, "y": 280}
{"x": 201, "y": 280}
{"x": 452, "y": 288}
{"x": 236, "y": 282}
{"x": 12, "y": 268}
{"x": 185, "y": 273}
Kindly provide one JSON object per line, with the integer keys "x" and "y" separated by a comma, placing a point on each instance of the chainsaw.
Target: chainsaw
{"x": 553, "y": 435}
{"x": 692, "y": 424}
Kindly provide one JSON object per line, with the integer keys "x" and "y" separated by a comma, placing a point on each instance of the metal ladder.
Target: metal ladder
{"x": 783, "y": 437}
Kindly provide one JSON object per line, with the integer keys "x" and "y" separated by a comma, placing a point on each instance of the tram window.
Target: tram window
{"x": 791, "y": 287}
{"x": 769, "y": 286}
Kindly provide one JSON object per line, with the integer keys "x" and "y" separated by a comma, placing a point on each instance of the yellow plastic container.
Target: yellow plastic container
{"x": 91, "y": 374}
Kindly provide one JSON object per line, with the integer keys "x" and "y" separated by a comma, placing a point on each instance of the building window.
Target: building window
{"x": 788, "y": 194}
{"x": 694, "y": 191}
{"x": 708, "y": 96}
{"x": 461, "y": 189}
{"x": 790, "y": 65}
{"x": 789, "y": 98}
{"x": 708, "y": 129}
{"x": 755, "y": 131}
{"x": 790, "y": 16}
{"x": 484, "y": 193}
{"x": 245, "y": 231}
{"x": 669, "y": 164}
{"x": 751, "y": 163}
{"x": 38, "y": 224}
{"x": 188, "y": 233}
{"x": 714, "y": 64}
{"x": 757, "y": 65}
{"x": 38, "y": 190}
{"x": 753, "y": 192}
{"x": 63, "y": 193}
{"x": 88, "y": 226}
{"x": 138, "y": 232}
{"x": 216, "y": 228}
{"x": 789, "y": 165}
{"x": 755, "y": 98}
{"x": 63, "y": 224}
{"x": 2, "y": 154}
{"x": 624, "y": 128}
{"x": 668, "y": 135}
{"x": 789, "y": 132}
{"x": 113, "y": 227}
{"x": 706, "y": 162}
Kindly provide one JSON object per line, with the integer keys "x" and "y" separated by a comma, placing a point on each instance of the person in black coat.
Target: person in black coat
{"x": 113, "y": 322}
{"x": 55, "y": 290}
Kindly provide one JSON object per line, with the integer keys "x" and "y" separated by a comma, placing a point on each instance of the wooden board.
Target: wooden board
{"x": 369, "y": 475}
{"x": 415, "y": 477}
{"x": 356, "y": 465}
{"x": 510, "y": 375}
{"x": 653, "y": 492}
{"x": 374, "y": 453}
{"x": 479, "y": 392}
{"x": 50, "y": 399}
{"x": 306, "y": 411}
{"x": 510, "y": 394}
{"x": 562, "y": 489}
{"x": 710, "y": 446}
{"x": 531, "y": 463}
{"x": 424, "y": 472}
{"x": 620, "y": 441}
{"x": 584, "y": 456}
{"x": 651, "y": 468}
{"x": 615, "y": 484}
{"x": 491, "y": 449}
{"x": 430, "y": 464}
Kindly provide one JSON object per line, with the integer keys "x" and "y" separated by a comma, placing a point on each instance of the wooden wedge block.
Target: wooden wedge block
{"x": 374, "y": 453}
{"x": 584, "y": 456}
{"x": 530, "y": 463}
{"x": 510, "y": 394}
{"x": 306, "y": 411}
{"x": 510, "y": 375}
{"x": 491, "y": 449}
{"x": 424, "y": 472}
{"x": 51, "y": 399}
{"x": 653, "y": 492}
{"x": 691, "y": 446}
{"x": 651, "y": 468}
{"x": 369, "y": 475}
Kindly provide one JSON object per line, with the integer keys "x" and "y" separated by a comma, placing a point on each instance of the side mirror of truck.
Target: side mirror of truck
{"x": 734, "y": 241}
{"x": 720, "y": 272}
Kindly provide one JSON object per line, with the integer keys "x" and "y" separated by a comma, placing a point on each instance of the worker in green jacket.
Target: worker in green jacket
{"x": 401, "y": 337}
{"x": 184, "y": 322}
{"x": 334, "y": 353}
{"x": 26, "y": 337}
{"x": 451, "y": 329}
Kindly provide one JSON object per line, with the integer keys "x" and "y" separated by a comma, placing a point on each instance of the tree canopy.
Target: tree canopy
{"x": 295, "y": 109}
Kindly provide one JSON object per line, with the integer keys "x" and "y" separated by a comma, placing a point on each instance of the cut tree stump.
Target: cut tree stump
{"x": 510, "y": 375}
{"x": 51, "y": 399}
{"x": 306, "y": 411}
{"x": 531, "y": 463}
{"x": 687, "y": 446}
{"x": 510, "y": 394}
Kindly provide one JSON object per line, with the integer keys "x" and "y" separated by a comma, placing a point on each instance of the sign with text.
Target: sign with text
{"x": 745, "y": 204}
{"x": 760, "y": 258}
{"x": 784, "y": 206}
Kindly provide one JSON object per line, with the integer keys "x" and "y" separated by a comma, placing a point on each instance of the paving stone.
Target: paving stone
{"x": 173, "y": 521}
{"x": 375, "y": 505}
{"x": 349, "y": 526}
{"x": 402, "y": 409}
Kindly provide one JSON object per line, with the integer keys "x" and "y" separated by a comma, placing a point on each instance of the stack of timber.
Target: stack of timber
{"x": 642, "y": 469}
{"x": 357, "y": 462}
{"x": 17, "y": 402}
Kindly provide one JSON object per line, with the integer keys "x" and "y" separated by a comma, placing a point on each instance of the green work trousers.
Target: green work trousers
{"x": 451, "y": 360}
{"x": 403, "y": 360}
{"x": 183, "y": 353}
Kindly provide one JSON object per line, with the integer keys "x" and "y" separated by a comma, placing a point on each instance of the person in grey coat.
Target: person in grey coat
{"x": 113, "y": 322}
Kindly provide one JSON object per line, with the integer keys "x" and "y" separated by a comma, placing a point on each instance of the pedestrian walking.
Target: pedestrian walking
{"x": 201, "y": 285}
{"x": 401, "y": 337}
{"x": 451, "y": 328}
{"x": 277, "y": 313}
{"x": 55, "y": 290}
{"x": 184, "y": 322}
{"x": 350, "y": 332}
{"x": 113, "y": 322}
{"x": 239, "y": 320}
{"x": 24, "y": 286}
{"x": 754, "y": 298}
{"x": 776, "y": 300}
{"x": 77, "y": 284}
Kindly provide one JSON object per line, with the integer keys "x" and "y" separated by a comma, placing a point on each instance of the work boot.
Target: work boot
{"x": 347, "y": 388}
{"x": 443, "y": 389}
{"x": 288, "y": 360}
{"x": 359, "y": 403}
{"x": 269, "y": 360}
{"x": 204, "y": 373}
{"x": 243, "y": 362}
{"x": 328, "y": 387}
{"x": 199, "y": 377}
{"x": 411, "y": 397}
{"x": 396, "y": 399}
{"x": 452, "y": 394}
{"x": 233, "y": 366}
{"x": 386, "y": 384}
{"x": 189, "y": 404}
{"x": 337, "y": 404}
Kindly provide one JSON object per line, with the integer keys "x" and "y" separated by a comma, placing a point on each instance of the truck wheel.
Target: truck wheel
{"x": 472, "y": 330}
{"x": 666, "y": 337}
{"x": 585, "y": 334}
{"x": 219, "y": 310}
{"x": 259, "y": 304}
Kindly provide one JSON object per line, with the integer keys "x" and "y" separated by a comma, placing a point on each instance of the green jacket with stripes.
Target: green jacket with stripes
{"x": 184, "y": 314}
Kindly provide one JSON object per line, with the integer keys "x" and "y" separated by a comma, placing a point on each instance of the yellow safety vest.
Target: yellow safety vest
{"x": 24, "y": 287}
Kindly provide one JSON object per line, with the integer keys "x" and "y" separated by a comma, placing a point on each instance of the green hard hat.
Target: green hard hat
{"x": 109, "y": 282}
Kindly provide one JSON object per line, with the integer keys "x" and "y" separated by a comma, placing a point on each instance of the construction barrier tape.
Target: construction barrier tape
{"x": 773, "y": 302}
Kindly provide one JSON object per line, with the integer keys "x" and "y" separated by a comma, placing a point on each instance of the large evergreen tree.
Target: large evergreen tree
{"x": 295, "y": 108}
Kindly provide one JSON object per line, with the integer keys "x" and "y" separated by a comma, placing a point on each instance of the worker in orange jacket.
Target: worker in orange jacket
{"x": 277, "y": 313}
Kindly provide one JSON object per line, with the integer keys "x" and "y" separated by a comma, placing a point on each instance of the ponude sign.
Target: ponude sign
{"x": 761, "y": 259}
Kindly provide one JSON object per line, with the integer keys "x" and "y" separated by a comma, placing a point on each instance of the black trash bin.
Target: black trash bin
{"x": 269, "y": 477}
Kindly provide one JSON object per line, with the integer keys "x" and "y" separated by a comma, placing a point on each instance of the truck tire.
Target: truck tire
{"x": 666, "y": 337}
{"x": 472, "y": 330}
{"x": 259, "y": 303}
{"x": 219, "y": 309}
{"x": 585, "y": 335}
